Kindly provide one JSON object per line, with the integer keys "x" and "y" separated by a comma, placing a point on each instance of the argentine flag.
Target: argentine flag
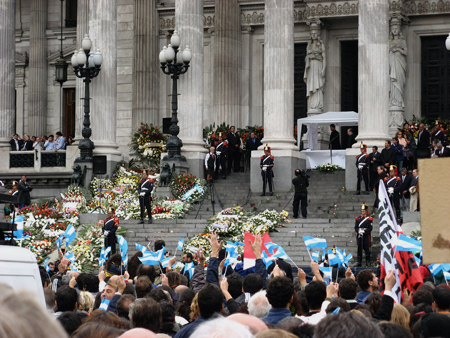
{"x": 70, "y": 234}
{"x": 405, "y": 243}
{"x": 180, "y": 244}
{"x": 314, "y": 242}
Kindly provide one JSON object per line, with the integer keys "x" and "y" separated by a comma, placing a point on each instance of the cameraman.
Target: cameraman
{"x": 300, "y": 182}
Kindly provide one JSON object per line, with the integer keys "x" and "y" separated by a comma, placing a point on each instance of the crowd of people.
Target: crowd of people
{"x": 48, "y": 143}
{"x": 214, "y": 301}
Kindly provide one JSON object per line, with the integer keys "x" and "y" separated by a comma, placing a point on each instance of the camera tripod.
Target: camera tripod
{"x": 212, "y": 193}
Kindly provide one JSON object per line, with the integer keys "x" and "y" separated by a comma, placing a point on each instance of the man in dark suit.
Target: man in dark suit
{"x": 24, "y": 192}
{"x": 251, "y": 144}
{"x": 234, "y": 142}
{"x": 388, "y": 155}
{"x": 375, "y": 161}
{"x": 334, "y": 138}
{"x": 423, "y": 143}
{"x": 351, "y": 138}
{"x": 27, "y": 144}
{"x": 16, "y": 143}
{"x": 441, "y": 151}
{"x": 404, "y": 192}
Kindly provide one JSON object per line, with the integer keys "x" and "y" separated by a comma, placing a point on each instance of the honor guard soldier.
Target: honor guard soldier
{"x": 145, "y": 189}
{"x": 362, "y": 163}
{"x": 14, "y": 192}
{"x": 110, "y": 226}
{"x": 266, "y": 164}
{"x": 363, "y": 229}
{"x": 393, "y": 184}
{"x": 221, "y": 150}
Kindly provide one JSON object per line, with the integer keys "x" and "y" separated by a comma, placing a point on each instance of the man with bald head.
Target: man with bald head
{"x": 139, "y": 333}
{"x": 253, "y": 323}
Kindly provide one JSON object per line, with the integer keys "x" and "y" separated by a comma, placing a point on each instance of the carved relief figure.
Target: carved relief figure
{"x": 315, "y": 64}
{"x": 397, "y": 64}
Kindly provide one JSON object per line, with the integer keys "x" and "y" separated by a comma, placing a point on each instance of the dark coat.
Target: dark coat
{"x": 388, "y": 156}
{"x": 249, "y": 145}
{"x": 446, "y": 152}
{"x": 28, "y": 145}
{"x": 405, "y": 185}
{"x": 423, "y": 139}
{"x": 334, "y": 140}
{"x": 351, "y": 140}
{"x": 12, "y": 142}
{"x": 24, "y": 193}
{"x": 376, "y": 157}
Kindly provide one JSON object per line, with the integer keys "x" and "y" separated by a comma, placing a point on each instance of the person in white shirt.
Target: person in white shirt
{"x": 210, "y": 164}
{"x": 50, "y": 144}
{"x": 60, "y": 142}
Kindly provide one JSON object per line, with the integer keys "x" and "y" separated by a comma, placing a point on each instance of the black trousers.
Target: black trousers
{"x": 363, "y": 244}
{"x": 221, "y": 166}
{"x": 111, "y": 241}
{"x": 362, "y": 175}
{"x": 234, "y": 158}
{"x": 373, "y": 179}
{"x": 145, "y": 203}
{"x": 300, "y": 197}
{"x": 267, "y": 177}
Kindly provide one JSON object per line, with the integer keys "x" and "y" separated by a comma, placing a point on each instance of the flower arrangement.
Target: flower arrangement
{"x": 201, "y": 240}
{"x": 182, "y": 183}
{"x": 329, "y": 168}
{"x": 148, "y": 142}
{"x": 97, "y": 183}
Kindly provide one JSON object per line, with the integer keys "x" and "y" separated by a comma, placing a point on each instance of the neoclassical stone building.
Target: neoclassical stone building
{"x": 384, "y": 59}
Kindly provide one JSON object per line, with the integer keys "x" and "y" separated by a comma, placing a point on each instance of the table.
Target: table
{"x": 314, "y": 158}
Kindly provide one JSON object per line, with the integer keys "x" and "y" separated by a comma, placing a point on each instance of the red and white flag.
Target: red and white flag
{"x": 249, "y": 256}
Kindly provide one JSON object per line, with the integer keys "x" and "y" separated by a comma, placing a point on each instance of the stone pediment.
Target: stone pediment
{"x": 67, "y": 52}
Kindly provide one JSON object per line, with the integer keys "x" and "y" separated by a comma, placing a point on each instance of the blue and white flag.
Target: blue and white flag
{"x": 314, "y": 242}
{"x": 70, "y": 234}
{"x": 59, "y": 242}
{"x": 406, "y": 243}
{"x": 123, "y": 244}
{"x": 231, "y": 258}
{"x": 180, "y": 244}
{"x": 281, "y": 254}
{"x": 266, "y": 259}
{"x": 18, "y": 234}
{"x": 326, "y": 270}
{"x": 17, "y": 219}
{"x": 141, "y": 248}
{"x": 315, "y": 256}
{"x": 348, "y": 258}
{"x": 189, "y": 267}
{"x": 333, "y": 259}
{"x": 165, "y": 262}
{"x": 436, "y": 268}
{"x": 151, "y": 258}
{"x": 125, "y": 260}
{"x": 418, "y": 260}
{"x": 104, "y": 305}
{"x": 447, "y": 275}
{"x": 104, "y": 255}
{"x": 270, "y": 246}
{"x": 70, "y": 256}
{"x": 160, "y": 253}
{"x": 47, "y": 268}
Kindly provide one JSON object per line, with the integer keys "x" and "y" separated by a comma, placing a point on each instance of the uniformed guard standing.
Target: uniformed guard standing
{"x": 221, "y": 150}
{"x": 363, "y": 229}
{"x": 145, "y": 189}
{"x": 110, "y": 226}
{"x": 266, "y": 164}
{"x": 393, "y": 184}
{"x": 362, "y": 163}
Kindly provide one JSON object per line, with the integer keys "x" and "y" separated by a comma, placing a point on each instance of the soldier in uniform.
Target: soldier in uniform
{"x": 362, "y": 163}
{"x": 266, "y": 164}
{"x": 145, "y": 189}
{"x": 393, "y": 186}
{"x": 110, "y": 226}
{"x": 14, "y": 192}
{"x": 221, "y": 150}
{"x": 363, "y": 229}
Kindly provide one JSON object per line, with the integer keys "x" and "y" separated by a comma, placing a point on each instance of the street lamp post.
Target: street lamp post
{"x": 86, "y": 65}
{"x": 174, "y": 62}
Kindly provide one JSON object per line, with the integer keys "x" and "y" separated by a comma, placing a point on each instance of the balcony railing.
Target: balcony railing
{"x": 37, "y": 159}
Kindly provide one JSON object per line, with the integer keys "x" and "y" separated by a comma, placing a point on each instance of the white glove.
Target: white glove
{"x": 106, "y": 233}
{"x": 360, "y": 166}
{"x": 390, "y": 190}
{"x": 218, "y": 153}
{"x": 142, "y": 194}
{"x": 264, "y": 168}
{"x": 361, "y": 231}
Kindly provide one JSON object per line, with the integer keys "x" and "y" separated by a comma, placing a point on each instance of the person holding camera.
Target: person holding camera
{"x": 300, "y": 182}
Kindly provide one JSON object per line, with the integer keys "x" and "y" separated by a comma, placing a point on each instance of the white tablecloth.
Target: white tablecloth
{"x": 315, "y": 158}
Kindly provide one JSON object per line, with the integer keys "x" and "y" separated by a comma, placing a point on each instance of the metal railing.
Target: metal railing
{"x": 37, "y": 159}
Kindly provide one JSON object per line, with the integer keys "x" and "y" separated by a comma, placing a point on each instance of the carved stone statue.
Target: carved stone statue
{"x": 78, "y": 175}
{"x": 397, "y": 64}
{"x": 315, "y": 64}
{"x": 166, "y": 174}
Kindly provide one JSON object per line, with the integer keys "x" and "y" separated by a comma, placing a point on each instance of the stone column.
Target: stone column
{"x": 189, "y": 24}
{"x": 227, "y": 61}
{"x": 279, "y": 75}
{"x": 373, "y": 69}
{"x": 278, "y": 96}
{"x": 37, "y": 97}
{"x": 145, "y": 64}
{"x": 82, "y": 29}
{"x": 103, "y": 32}
{"x": 7, "y": 72}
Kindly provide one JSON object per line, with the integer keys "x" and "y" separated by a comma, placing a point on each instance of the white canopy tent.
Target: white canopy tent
{"x": 340, "y": 118}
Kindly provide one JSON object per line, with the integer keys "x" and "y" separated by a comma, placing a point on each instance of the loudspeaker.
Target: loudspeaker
{"x": 166, "y": 125}
{"x": 99, "y": 165}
